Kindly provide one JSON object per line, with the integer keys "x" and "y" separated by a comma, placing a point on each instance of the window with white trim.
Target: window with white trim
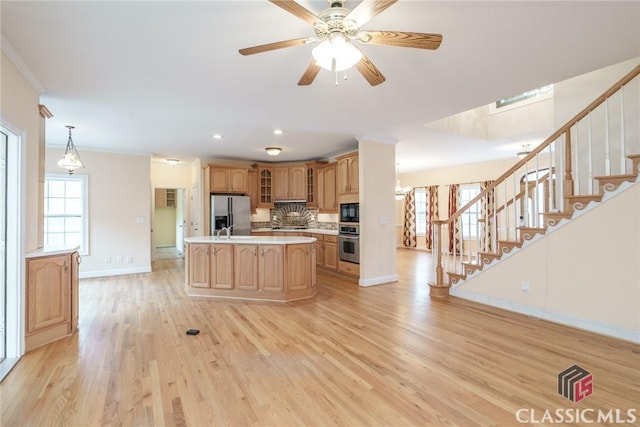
{"x": 421, "y": 211}
{"x": 66, "y": 211}
{"x": 470, "y": 217}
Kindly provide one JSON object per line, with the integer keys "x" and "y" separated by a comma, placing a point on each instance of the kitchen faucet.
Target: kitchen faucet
{"x": 227, "y": 230}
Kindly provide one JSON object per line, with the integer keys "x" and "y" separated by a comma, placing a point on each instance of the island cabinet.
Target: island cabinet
{"x": 348, "y": 179}
{"x": 52, "y": 297}
{"x": 253, "y": 268}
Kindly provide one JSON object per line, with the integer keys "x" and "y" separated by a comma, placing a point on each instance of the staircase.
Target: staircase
{"x": 594, "y": 153}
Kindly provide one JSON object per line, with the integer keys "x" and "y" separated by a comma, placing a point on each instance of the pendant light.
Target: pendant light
{"x": 401, "y": 192}
{"x": 71, "y": 160}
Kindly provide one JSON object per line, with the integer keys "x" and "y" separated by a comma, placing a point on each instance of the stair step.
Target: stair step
{"x": 527, "y": 233}
{"x": 635, "y": 158}
{"x": 488, "y": 257}
{"x": 470, "y": 268}
{"x": 611, "y": 182}
{"x": 553, "y": 218}
{"x": 456, "y": 277}
{"x": 577, "y": 203}
{"x": 506, "y": 246}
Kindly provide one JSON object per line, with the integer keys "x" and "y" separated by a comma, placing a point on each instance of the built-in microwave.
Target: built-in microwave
{"x": 350, "y": 212}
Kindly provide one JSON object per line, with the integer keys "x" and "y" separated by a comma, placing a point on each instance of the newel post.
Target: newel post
{"x": 438, "y": 289}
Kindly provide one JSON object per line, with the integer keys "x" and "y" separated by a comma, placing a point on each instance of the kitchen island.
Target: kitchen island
{"x": 272, "y": 268}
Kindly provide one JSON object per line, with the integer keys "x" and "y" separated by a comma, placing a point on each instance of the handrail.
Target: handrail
{"x": 556, "y": 195}
{"x": 626, "y": 79}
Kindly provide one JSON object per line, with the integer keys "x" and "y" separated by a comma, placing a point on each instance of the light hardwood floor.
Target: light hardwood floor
{"x": 380, "y": 356}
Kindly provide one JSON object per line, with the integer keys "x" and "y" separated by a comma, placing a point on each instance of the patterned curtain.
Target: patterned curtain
{"x": 432, "y": 213}
{"x": 455, "y": 232}
{"x": 409, "y": 231}
{"x": 487, "y": 206}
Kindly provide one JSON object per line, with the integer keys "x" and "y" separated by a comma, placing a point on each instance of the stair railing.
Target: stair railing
{"x": 539, "y": 190}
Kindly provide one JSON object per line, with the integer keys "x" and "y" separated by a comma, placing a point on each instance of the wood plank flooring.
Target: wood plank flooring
{"x": 351, "y": 356}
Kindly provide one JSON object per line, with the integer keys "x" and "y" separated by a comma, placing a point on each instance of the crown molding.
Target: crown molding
{"x": 15, "y": 57}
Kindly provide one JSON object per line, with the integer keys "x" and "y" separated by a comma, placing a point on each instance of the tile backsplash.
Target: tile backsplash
{"x": 293, "y": 215}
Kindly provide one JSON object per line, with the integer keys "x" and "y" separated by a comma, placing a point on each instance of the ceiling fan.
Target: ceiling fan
{"x": 335, "y": 28}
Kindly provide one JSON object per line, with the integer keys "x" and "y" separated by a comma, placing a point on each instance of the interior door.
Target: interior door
{"x": 180, "y": 222}
{"x": 194, "y": 211}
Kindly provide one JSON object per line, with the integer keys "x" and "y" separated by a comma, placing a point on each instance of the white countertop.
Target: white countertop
{"x": 292, "y": 230}
{"x": 252, "y": 240}
{"x": 51, "y": 250}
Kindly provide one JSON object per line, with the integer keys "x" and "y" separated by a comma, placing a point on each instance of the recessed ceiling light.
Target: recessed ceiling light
{"x": 217, "y": 136}
{"x": 277, "y": 131}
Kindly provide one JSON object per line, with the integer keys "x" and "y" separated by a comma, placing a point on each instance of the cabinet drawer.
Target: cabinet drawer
{"x": 332, "y": 239}
{"x": 349, "y": 268}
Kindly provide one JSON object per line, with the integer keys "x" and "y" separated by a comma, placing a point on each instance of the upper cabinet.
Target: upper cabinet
{"x": 165, "y": 198}
{"x": 289, "y": 182}
{"x": 265, "y": 187}
{"x": 328, "y": 200}
{"x": 348, "y": 171}
{"x": 224, "y": 179}
{"x": 252, "y": 189}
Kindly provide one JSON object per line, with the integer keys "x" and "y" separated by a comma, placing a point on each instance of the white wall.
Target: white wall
{"x": 377, "y": 212}
{"x": 584, "y": 274}
{"x": 19, "y": 103}
{"x": 118, "y": 196}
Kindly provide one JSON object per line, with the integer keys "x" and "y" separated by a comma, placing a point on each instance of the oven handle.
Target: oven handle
{"x": 349, "y": 237}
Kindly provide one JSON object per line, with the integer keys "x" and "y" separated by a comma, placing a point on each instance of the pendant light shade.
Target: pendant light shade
{"x": 71, "y": 160}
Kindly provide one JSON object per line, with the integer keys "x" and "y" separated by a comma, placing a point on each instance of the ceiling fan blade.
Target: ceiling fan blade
{"x": 295, "y": 9}
{"x": 273, "y": 46}
{"x": 403, "y": 39}
{"x": 369, "y": 71}
{"x": 367, "y": 10}
{"x": 309, "y": 74}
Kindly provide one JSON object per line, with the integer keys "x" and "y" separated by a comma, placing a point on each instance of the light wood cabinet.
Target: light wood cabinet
{"x": 271, "y": 268}
{"x": 328, "y": 202}
{"x": 265, "y": 187}
{"x": 330, "y": 259}
{"x": 228, "y": 179}
{"x": 246, "y": 268}
{"x": 222, "y": 266}
{"x": 289, "y": 182}
{"x": 52, "y": 297}
{"x": 199, "y": 265}
{"x": 348, "y": 171}
{"x": 252, "y": 189}
{"x": 282, "y": 272}
{"x": 298, "y": 274}
{"x": 165, "y": 197}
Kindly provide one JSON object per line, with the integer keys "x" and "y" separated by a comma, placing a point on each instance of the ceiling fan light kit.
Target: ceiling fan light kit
{"x": 335, "y": 28}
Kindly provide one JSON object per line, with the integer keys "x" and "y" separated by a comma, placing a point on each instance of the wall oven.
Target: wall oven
{"x": 349, "y": 212}
{"x": 349, "y": 243}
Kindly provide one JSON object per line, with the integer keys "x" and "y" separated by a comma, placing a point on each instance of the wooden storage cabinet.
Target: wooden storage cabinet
{"x": 246, "y": 268}
{"x": 265, "y": 188}
{"x": 326, "y": 251}
{"x": 165, "y": 197}
{"x": 199, "y": 265}
{"x": 289, "y": 182}
{"x": 221, "y": 273}
{"x": 228, "y": 179}
{"x": 328, "y": 201}
{"x": 52, "y": 297}
{"x": 348, "y": 171}
{"x": 271, "y": 268}
{"x": 252, "y": 189}
{"x": 298, "y": 274}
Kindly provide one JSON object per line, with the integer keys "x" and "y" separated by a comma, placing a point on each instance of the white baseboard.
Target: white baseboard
{"x": 114, "y": 272}
{"x": 378, "y": 280}
{"x": 626, "y": 334}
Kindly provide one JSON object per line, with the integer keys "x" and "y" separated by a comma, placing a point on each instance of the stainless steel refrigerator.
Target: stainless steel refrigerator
{"x": 229, "y": 211}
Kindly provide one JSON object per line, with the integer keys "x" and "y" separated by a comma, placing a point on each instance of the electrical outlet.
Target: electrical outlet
{"x": 129, "y": 260}
{"x": 525, "y": 286}
{"x": 119, "y": 258}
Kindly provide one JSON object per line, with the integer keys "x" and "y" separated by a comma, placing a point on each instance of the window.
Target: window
{"x": 533, "y": 95}
{"x": 65, "y": 211}
{"x": 421, "y": 211}
{"x": 470, "y": 217}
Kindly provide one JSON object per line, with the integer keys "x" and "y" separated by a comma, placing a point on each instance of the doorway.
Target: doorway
{"x": 169, "y": 223}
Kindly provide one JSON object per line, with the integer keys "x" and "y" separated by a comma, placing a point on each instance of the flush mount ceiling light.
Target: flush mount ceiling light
{"x": 172, "y": 162}
{"x": 217, "y": 136}
{"x": 71, "y": 160}
{"x": 525, "y": 150}
{"x": 277, "y": 131}
{"x": 273, "y": 151}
